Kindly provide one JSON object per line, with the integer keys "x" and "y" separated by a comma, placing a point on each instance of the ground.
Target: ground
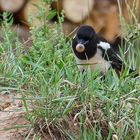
{"x": 11, "y": 114}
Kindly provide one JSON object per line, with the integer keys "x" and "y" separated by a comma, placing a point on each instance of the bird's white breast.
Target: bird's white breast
{"x": 96, "y": 63}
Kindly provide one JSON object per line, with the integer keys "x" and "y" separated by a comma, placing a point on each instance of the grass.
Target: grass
{"x": 66, "y": 104}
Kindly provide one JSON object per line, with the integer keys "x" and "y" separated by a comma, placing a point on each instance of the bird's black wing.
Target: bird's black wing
{"x": 110, "y": 55}
{"x": 116, "y": 62}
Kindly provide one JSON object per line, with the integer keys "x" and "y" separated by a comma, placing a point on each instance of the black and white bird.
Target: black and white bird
{"x": 95, "y": 52}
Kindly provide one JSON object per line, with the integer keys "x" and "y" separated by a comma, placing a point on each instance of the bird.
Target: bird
{"x": 92, "y": 50}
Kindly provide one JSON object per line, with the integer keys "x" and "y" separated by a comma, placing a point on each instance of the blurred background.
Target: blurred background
{"x": 106, "y": 16}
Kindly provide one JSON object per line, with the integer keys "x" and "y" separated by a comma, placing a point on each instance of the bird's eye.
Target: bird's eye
{"x": 86, "y": 41}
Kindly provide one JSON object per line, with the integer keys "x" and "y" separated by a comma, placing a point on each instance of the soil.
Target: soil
{"x": 12, "y": 118}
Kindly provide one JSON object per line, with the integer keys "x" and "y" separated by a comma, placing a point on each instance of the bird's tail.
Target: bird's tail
{"x": 134, "y": 73}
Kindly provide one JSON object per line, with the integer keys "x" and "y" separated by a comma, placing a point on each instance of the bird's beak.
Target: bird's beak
{"x": 80, "y": 46}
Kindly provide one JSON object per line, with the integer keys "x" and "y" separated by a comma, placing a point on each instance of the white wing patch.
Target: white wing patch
{"x": 104, "y": 45}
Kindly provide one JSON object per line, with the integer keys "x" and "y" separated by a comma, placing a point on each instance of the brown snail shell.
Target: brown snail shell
{"x": 80, "y": 48}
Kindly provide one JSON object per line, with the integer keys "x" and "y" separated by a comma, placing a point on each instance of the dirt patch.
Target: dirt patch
{"x": 12, "y": 118}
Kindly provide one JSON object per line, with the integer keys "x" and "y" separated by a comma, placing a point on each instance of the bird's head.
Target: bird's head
{"x": 83, "y": 42}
